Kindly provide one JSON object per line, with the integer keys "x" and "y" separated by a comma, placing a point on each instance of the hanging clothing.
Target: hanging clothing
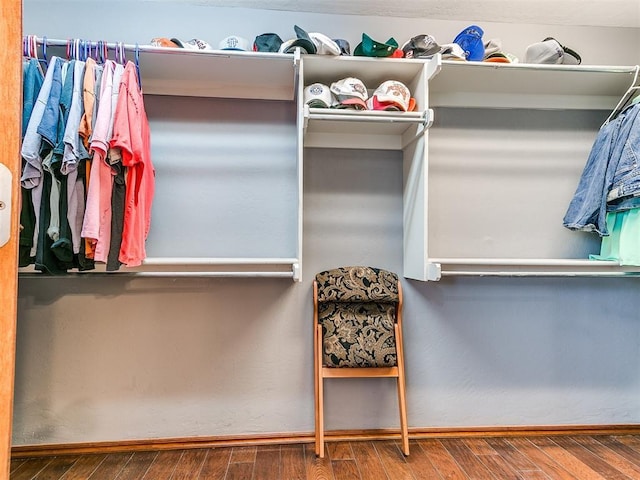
{"x": 131, "y": 134}
{"x": 74, "y": 150}
{"x": 85, "y": 140}
{"x": 32, "y": 172}
{"x": 623, "y": 243}
{"x": 32, "y": 83}
{"x": 610, "y": 174}
{"x": 119, "y": 185}
{"x": 97, "y": 220}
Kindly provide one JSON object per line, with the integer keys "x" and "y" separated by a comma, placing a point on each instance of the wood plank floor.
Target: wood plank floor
{"x": 584, "y": 457}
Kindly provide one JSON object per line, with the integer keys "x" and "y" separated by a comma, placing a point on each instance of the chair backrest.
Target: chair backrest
{"x": 357, "y": 284}
{"x": 358, "y": 308}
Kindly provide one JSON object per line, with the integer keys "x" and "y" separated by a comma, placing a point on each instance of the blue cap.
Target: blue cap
{"x": 470, "y": 40}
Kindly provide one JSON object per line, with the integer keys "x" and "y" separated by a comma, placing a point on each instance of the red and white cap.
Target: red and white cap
{"x": 391, "y": 95}
{"x": 350, "y": 92}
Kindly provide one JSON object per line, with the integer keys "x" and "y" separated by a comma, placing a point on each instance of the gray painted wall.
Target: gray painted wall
{"x": 109, "y": 358}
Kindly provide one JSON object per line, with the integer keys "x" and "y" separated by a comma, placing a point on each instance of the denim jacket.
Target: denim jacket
{"x": 611, "y": 174}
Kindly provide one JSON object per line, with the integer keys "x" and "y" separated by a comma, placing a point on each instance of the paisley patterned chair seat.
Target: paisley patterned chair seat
{"x": 357, "y": 333}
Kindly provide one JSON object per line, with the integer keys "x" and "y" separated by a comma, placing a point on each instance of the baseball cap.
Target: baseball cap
{"x": 452, "y": 51}
{"x": 369, "y": 47}
{"x": 193, "y": 44}
{"x": 493, "y": 53}
{"x": 345, "y": 48}
{"x": 571, "y": 57}
{"x": 421, "y": 46}
{"x": 234, "y": 42}
{"x": 318, "y": 95}
{"x": 548, "y": 51}
{"x": 392, "y": 95}
{"x": 267, "y": 42}
{"x": 350, "y": 92}
{"x": 551, "y": 51}
{"x": 470, "y": 39}
{"x": 497, "y": 57}
{"x": 491, "y": 46}
{"x": 302, "y": 40}
{"x": 163, "y": 42}
{"x": 324, "y": 45}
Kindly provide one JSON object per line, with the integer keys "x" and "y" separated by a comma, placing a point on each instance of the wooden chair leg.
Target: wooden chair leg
{"x": 402, "y": 401}
{"x": 319, "y": 393}
{"x": 404, "y": 430}
{"x": 320, "y": 433}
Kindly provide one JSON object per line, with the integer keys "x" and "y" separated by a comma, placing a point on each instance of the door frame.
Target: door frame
{"x": 10, "y": 119}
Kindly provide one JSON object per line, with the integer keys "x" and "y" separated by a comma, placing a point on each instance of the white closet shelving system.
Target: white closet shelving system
{"x": 450, "y": 203}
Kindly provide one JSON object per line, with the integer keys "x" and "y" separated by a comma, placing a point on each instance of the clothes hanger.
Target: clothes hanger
{"x": 119, "y": 53}
{"x": 628, "y": 95}
{"x": 44, "y": 52}
{"x": 32, "y": 49}
{"x": 104, "y": 52}
{"x": 75, "y": 49}
{"x": 137, "y": 57}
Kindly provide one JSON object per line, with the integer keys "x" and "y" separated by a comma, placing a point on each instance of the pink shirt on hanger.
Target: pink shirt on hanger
{"x": 131, "y": 134}
{"x": 96, "y": 226}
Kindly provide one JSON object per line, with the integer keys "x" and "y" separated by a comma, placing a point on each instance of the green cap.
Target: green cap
{"x": 371, "y": 48}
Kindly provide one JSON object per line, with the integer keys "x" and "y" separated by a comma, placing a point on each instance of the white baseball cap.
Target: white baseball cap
{"x": 546, "y": 52}
{"x": 350, "y": 92}
{"x": 318, "y": 95}
{"x": 233, "y": 42}
{"x": 452, "y": 51}
{"x": 324, "y": 45}
{"x": 193, "y": 44}
{"x": 551, "y": 51}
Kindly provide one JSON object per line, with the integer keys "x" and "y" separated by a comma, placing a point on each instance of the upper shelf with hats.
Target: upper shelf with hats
{"x": 194, "y": 68}
{"x": 551, "y": 75}
{"x": 224, "y": 73}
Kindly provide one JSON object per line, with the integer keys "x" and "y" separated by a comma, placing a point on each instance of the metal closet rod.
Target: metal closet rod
{"x": 193, "y": 261}
{"x": 551, "y": 267}
{"x": 56, "y": 42}
{"x": 178, "y": 274}
{"x": 370, "y": 118}
{"x": 540, "y": 262}
{"x": 486, "y": 273}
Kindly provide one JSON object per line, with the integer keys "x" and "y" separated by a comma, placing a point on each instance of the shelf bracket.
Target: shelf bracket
{"x": 434, "y": 271}
{"x": 428, "y": 118}
{"x": 426, "y": 124}
{"x": 297, "y": 274}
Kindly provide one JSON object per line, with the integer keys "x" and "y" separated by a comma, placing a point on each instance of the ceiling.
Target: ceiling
{"x": 605, "y": 13}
